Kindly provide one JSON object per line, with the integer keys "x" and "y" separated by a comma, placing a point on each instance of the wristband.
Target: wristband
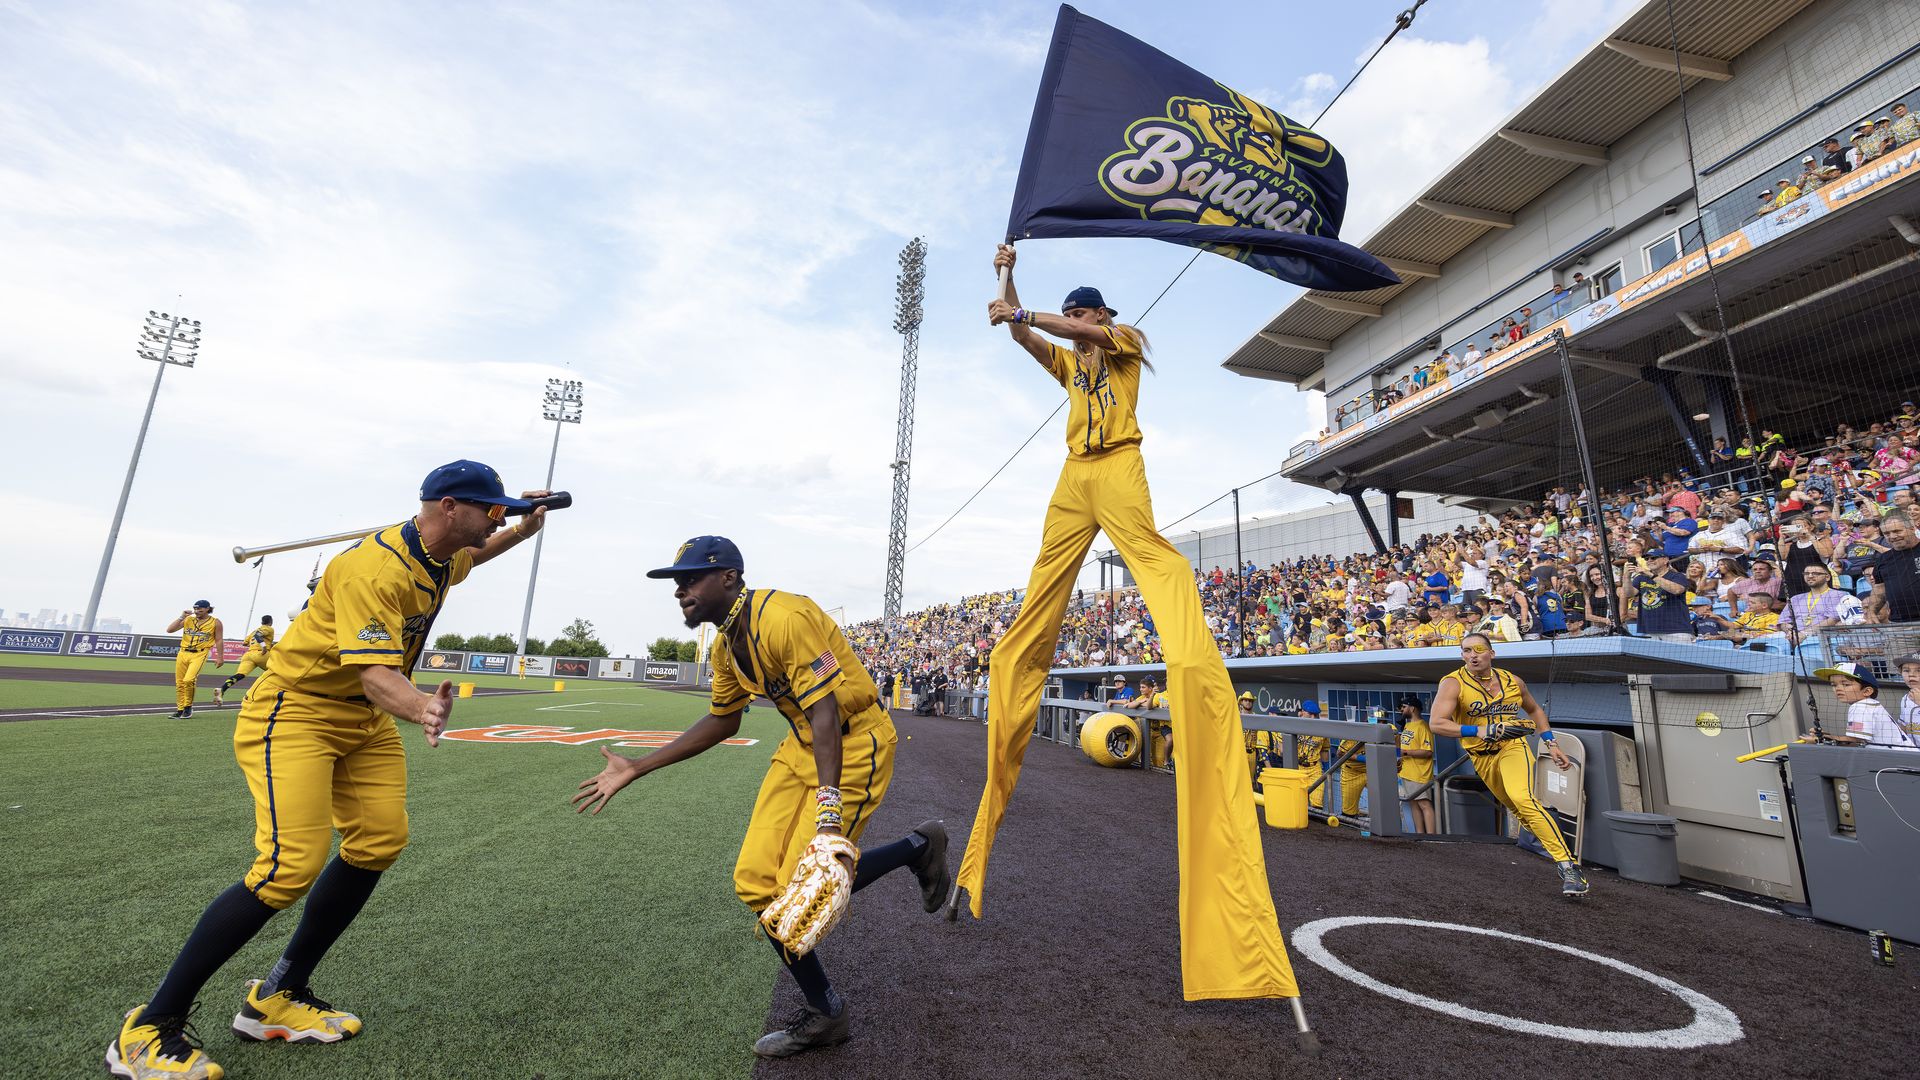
{"x": 1547, "y": 735}
{"x": 1469, "y": 731}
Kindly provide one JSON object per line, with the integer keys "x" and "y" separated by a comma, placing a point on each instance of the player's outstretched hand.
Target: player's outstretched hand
{"x": 434, "y": 716}
{"x": 599, "y": 789}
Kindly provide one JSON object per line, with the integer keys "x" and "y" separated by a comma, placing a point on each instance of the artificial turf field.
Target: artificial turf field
{"x": 512, "y": 939}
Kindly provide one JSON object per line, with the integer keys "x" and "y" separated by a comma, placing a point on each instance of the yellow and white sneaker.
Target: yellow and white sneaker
{"x": 294, "y": 1015}
{"x": 165, "y": 1048}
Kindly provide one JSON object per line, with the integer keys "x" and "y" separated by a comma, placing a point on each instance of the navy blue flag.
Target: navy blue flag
{"x": 1128, "y": 141}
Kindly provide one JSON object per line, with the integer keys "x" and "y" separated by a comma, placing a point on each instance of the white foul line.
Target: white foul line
{"x": 581, "y": 705}
{"x": 1713, "y": 1023}
{"x": 1731, "y": 900}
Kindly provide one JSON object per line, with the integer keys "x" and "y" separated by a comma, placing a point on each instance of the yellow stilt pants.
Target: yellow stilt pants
{"x": 1230, "y": 941}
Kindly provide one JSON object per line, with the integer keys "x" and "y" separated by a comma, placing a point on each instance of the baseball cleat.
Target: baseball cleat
{"x": 219, "y": 697}
{"x": 295, "y": 1016}
{"x": 808, "y": 1030}
{"x": 160, "y": 1048}
{"x": 936, "y": 880}
{"x": 175, "y": 714}
{"x": 1572, "y": 881}
{"x": 186, "y": 713}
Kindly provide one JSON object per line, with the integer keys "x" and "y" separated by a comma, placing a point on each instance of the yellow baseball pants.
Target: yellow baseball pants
{"x": 1508, "y": 773}
{"x": 186, "y": 670}
{"x": 253, "y": 659}
{"x": 1353, "y": 781}
{"x": 1230, "y": 943}
{"x": 783, "y": 813}
{"x": 315, "y": 765}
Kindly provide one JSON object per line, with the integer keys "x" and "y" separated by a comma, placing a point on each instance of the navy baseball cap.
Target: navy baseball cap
{"x": 1086, "y": 296}
{"x": 469, "y": 481}
{"x": 203, "y": 603}
{"x": 703, "y": 553}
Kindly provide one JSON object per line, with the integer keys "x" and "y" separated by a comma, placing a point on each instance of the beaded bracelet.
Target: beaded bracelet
{"x": 826, "y": 819}
{"x": 827, "y": 796}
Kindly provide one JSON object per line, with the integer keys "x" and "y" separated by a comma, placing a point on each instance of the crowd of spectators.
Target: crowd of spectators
{"x": 1871, "y": 138}
{"x": 1780, "y": 544}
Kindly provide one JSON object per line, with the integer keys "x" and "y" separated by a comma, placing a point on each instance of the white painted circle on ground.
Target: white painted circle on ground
{"x": 1713, "y": 1023}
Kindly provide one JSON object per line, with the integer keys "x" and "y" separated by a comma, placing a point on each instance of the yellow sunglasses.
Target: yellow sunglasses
{"x": 1476, "y": 649}
{"x": 495, "y": 511}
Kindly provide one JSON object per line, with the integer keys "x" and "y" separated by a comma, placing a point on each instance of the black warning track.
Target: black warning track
{"x": 1074, "y": 971}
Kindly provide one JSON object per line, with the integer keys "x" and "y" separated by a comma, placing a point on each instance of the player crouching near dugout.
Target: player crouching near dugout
{"x": 798, "y": 865}
{"x": 317, "y": 742}
{"x": 1494, "y": 699}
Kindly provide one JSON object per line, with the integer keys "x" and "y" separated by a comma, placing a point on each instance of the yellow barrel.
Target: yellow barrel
{"x": 559, "y": 685}
{"x": 1286, "y": 796}
{"x": 466, "y": 689}
{"x": 1111, "y": 739}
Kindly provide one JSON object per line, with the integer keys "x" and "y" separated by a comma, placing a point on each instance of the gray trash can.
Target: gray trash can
{"x": 1471, "y": 808}
{"x": 1646, "y": 846}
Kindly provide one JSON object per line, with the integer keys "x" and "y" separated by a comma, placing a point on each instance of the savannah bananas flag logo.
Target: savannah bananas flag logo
{"x": 1227, "y": 162}
{"x": 1127, "y": 141}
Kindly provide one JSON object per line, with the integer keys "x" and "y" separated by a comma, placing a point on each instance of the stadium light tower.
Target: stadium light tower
{"x": 169, "y": 341}
{"x": 562, "y": 405}
{"x": 910, "y": 288}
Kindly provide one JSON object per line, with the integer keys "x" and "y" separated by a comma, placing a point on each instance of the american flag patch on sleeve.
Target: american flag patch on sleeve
{"x": 825, "y": 666}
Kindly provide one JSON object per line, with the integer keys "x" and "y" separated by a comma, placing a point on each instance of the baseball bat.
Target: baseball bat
{"x": 1762, "y": 753}
{"x": 559, "y": 500}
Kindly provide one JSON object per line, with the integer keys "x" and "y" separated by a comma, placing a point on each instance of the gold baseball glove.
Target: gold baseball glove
{"x": 816, "y": 898}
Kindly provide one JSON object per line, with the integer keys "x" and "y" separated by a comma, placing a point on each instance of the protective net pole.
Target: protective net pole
{"x": 1615, "y": 606}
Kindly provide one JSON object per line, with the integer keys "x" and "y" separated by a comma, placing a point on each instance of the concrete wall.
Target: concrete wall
{"x": 1814, "y": 54}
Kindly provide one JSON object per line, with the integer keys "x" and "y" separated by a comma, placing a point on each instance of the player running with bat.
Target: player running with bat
{"x": 798, "y": 866}
{"x": 1495, "y": 739}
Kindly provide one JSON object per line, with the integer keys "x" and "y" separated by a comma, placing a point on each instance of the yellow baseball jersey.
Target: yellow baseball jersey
{"x": 796, "y": 656}
{"x": 1416, "y": 736}
{"x": 1102, "y": 390}
{"x": 1479, "y": 707}
{"x": 1755, "y": 623}
{"x": 1445, "y": 632}
{"x": 261, "y": 639}
{"x": 375, "y": 604}
{"x": 196, "y": 634}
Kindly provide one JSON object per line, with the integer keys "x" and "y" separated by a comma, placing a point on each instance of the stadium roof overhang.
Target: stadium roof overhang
{"x": 1817, "y": 291}
{"x": 1616, "y": 86}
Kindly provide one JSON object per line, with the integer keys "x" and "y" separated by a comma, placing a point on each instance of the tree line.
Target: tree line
{"x": 578, "y": 639}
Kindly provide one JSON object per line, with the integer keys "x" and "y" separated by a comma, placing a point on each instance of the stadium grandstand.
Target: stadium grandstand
{"x": 1658, "y": 324}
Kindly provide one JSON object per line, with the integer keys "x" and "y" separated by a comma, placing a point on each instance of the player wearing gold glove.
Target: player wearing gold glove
{"x": 798, "y": 865}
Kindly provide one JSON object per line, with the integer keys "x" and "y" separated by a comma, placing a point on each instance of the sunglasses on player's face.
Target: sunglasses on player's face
{"x": 1475, "y": 650}
{"x": 495, "y": 511}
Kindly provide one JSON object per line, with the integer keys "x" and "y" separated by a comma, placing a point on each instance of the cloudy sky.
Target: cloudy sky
{"x": 397, "y": 221}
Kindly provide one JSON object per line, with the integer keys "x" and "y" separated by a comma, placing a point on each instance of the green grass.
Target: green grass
{"x": 37, "y": 694}
{"x": 513, "y": 938}
{"x": 104, "y": 663}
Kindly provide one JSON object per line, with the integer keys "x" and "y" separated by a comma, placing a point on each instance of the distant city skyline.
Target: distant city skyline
{"x": 55, "y": 619}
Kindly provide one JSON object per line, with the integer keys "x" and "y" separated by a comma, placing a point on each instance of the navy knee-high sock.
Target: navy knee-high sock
{"x": 337, "y": 897}
{"x": 811, "y": 977}
{"x": 882, "y": 861}
{"x": 231, "y": 921}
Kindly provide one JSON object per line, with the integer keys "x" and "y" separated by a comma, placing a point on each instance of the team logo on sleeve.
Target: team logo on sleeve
{"x": 375, "y": 630}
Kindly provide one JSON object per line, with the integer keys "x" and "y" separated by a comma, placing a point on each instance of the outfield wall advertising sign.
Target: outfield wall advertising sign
{"x": 662, "y": 672}
{"x": 158, "y": 648}
{"x": 233, "y": 650}
{"x": 489, "y": 663}
{"x": 571, "y": 667}
{"x": 537, "y": 665}
{"x": 101, "y": 645}
{"x": 442, "y": 661}
{"x": 616, "y": 669}
{"x": 32, "y": 641}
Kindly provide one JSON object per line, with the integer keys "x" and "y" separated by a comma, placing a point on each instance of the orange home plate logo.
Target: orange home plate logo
{"x": 566, "y": 736}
